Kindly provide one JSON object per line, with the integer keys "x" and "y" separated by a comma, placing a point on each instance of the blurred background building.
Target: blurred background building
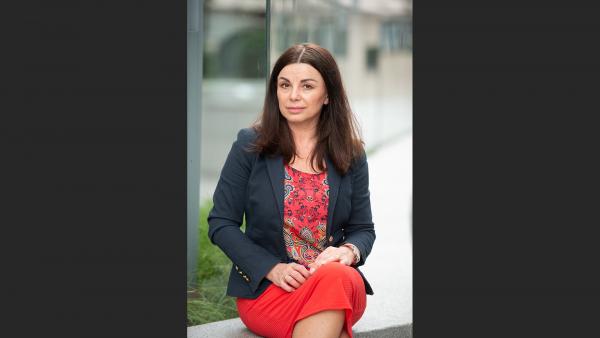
{"x": 233, "y": 44}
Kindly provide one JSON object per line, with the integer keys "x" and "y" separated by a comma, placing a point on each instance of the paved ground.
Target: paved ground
{"x": 389, "y": 266}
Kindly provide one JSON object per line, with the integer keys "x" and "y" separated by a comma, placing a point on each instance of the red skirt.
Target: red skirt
{"x": 333, "y": 286}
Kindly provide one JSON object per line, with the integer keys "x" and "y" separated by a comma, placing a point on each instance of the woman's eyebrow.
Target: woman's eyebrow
{"x": 303, "y": 80}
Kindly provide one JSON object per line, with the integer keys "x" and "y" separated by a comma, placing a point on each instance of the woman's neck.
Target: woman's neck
{"x": 305, "y": 140}
{"x": 304, "y": 136}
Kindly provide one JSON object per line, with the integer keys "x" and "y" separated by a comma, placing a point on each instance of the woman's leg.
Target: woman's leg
{"x": 344, "y": 334}
{"x": 330, "y": 277}
{"x": 324, "y": 324}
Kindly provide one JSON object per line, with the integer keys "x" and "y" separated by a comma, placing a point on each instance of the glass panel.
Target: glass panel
{"x": 372, "y": 43}
{"x": 233, "y": 85}
{"x": 226, "y": 69}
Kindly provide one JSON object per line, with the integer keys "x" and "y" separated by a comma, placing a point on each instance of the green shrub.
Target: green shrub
{"x": 209, "y": 302}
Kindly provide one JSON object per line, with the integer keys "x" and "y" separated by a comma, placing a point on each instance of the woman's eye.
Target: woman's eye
{"x": 307, "y": 86}
{"x": 284, "y": 85}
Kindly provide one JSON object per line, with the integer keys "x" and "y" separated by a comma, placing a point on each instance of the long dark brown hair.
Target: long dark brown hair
{"x": 337, "y": 132}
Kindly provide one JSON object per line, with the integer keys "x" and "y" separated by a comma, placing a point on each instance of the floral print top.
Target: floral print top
{"x": 306, "y": 199}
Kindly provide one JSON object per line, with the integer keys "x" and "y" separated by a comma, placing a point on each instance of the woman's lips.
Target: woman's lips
{"x": 295, "y": 109}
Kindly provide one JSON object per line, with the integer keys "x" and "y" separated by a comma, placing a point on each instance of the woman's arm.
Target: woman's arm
{"x": 225, "y": 218}
{"x": 360, "y": 229}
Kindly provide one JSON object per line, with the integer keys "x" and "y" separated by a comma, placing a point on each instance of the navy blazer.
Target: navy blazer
{"x": 251, "y": 184}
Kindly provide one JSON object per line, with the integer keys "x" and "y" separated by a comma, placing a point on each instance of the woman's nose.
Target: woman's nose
{"x": 295, "y": 94}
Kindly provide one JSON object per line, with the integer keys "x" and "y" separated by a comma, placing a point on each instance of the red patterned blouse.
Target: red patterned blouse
{"x": 306, "y": 200}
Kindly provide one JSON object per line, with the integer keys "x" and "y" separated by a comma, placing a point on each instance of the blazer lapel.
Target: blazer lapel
{"x": 333, "y": 179}
{"x": 275, "y": 169}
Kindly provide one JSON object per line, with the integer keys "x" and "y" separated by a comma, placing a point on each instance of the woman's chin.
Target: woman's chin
{"x": 298, "y": 119}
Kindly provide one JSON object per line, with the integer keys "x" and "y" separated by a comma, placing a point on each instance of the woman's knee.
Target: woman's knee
{"x": 336, "y": 270}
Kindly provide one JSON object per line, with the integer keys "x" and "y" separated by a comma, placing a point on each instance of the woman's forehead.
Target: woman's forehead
{"x": 300, "y": 72}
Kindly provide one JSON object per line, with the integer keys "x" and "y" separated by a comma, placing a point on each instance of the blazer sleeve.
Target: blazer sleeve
{"x": 360, "y": 229}
{"x": 225, "y": 218}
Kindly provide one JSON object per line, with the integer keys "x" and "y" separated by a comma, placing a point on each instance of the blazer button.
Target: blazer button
{"x": 331, "y": 238}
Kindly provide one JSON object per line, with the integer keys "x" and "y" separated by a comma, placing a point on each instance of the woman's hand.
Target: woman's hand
{"x": 288, "y": 276}
{"x": 342, "y": 254}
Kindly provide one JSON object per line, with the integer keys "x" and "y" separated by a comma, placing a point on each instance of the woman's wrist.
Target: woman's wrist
{"x": 271, "y": 274}
{"x": 354, "y": 250}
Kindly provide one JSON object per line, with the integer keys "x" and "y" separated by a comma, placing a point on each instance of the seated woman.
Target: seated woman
{"x": 300, "y": 178}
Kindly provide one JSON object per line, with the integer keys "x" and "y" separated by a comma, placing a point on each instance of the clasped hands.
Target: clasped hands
{"x": 289, "y": 276}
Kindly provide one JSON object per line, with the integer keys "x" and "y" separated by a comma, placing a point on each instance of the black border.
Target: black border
{"x": 505, "y": 173}
{"x": 93, "y": 140}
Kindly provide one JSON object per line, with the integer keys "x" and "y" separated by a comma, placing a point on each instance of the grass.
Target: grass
{"x": 209, "y": 303}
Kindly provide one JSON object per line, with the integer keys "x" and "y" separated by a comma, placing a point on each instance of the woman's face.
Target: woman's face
{"x": 301, "y": 93}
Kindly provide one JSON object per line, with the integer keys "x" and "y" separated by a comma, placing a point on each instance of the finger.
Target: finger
{"x": 346, "y": 261}
{"x": 333, "y": 251}
{"x": 320, "y": 258}
{"x": 330, "y": 249}
{"x": 292, "y": 282}
{"x": 285, "y": 286}
{"x": 325, "y": 256}
{"x": 324, "y": 253}
{"x": 298, "y": 277}
{"x": 301, "y": 270}
{"x": 327, "y": 252}
{"x": 330, "y": 259}
{"x": 318, "y": 265}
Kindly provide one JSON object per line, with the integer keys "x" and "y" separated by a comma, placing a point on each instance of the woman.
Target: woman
{"x": 300, "y": 177}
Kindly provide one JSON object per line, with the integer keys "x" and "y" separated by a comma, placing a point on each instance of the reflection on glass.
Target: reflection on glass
{"x": 372, "y": 43}
{"x": 233, "y": 85}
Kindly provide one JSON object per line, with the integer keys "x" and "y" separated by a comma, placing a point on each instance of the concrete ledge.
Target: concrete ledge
{"x": 230, "y": 328}
{"x": 234, "y": 328}
{"x": 400, "y": 331}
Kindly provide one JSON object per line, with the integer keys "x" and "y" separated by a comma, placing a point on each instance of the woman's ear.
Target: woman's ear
{"x": 326, "y": 100}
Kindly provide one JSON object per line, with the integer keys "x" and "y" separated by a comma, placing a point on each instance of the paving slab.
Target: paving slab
{"x": 389, "y": 266}
{"x": 234, "y": 328}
